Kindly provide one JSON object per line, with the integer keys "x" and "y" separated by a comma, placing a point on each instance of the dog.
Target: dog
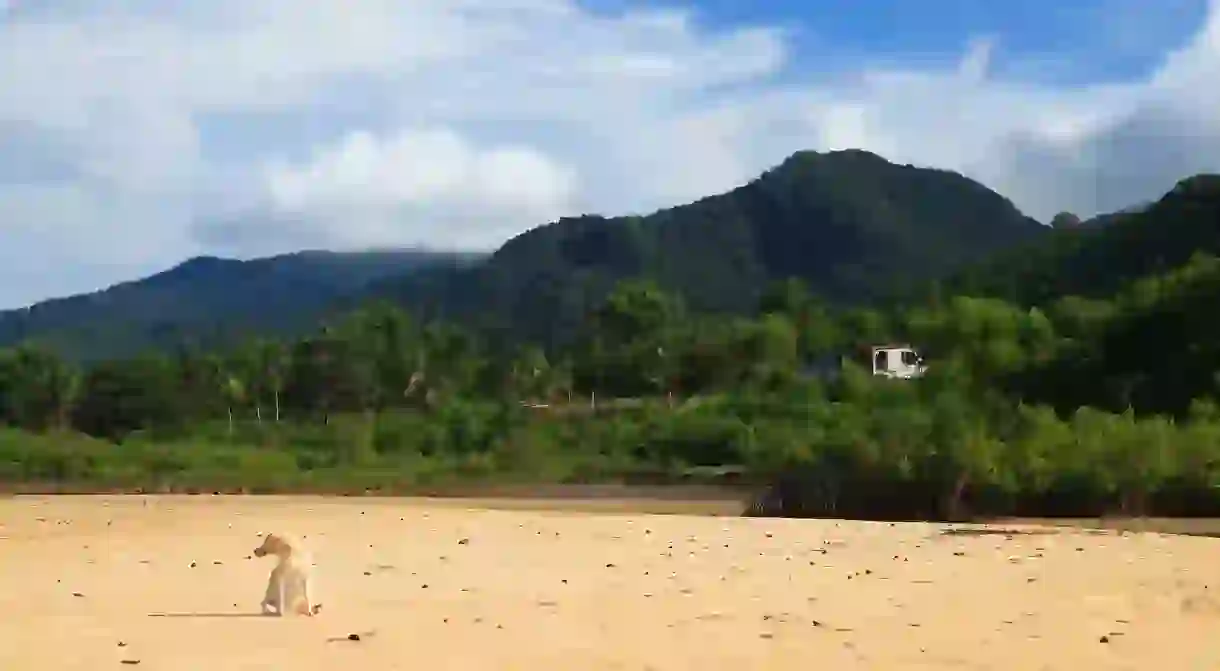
{"x": 290, "y": 585}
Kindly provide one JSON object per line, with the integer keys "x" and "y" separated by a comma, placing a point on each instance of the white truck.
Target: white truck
{"x": 894, "y": 361}
{"x": 898, "y": 361}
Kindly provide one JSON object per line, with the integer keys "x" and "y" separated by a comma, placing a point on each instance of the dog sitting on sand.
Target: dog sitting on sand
{"x": 290, "y": 585}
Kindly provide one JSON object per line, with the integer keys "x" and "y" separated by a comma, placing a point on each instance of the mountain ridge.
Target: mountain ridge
{"x": 848, "y": 223}
{"x": 207, "y": 300}
{"x": 845, "y": 222}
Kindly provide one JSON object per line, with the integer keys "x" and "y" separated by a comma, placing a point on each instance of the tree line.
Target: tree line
{"x": 1075, "y": 407}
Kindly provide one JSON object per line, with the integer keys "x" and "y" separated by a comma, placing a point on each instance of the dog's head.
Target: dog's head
{"x": 275, "y": 544}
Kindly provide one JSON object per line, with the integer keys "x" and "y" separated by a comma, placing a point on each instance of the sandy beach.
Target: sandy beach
{"x": 168, "y": 583}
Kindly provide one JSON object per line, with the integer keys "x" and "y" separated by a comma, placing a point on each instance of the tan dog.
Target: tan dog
{"x": 290, "y": 585}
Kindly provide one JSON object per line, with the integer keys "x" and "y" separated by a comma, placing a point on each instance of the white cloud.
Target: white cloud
{"x": 435, "y": 177}
{"x": 149, "y": 130}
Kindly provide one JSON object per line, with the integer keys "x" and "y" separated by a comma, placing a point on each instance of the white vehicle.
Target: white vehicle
{"x": 898, "y": 361}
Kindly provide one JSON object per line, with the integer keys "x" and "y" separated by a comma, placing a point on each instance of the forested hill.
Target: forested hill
{"x": 209, "y": 301}
{"x": 1097, "y": 259}
{"x": 849, "y": 223}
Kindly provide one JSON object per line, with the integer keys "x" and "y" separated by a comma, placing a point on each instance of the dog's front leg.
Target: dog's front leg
{"x": 306, "y": 592}
{"x": 271, "y": 594}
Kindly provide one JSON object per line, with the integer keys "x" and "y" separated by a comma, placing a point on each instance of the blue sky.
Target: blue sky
{"x": 1094, "y": 38}
{"x": 137, "y": 133}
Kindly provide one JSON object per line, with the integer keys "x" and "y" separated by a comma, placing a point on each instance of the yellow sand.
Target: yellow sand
{"x": 93, "y": 582}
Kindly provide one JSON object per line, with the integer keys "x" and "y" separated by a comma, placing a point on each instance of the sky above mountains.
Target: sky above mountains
{"x": 135, "y": 133}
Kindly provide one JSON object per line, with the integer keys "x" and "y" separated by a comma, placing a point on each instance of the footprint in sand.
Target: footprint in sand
{"x": 1201, "y": 604}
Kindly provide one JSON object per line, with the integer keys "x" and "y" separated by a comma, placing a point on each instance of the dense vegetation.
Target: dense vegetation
{"x": 1070, "y": 403}
{"x": 1097, "y": 260}
{"x": 378, "y": 401}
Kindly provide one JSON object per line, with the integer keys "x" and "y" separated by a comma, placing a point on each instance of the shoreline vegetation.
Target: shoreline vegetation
{"x": 860, "y": 466}
{"x": 1080, "y": 408}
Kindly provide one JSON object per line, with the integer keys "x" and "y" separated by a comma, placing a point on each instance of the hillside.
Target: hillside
{"x": 849, "y": 223}
{"x": 1133, "y": 293}
{"x": 1097, "y": 259}
{"x": 208, "y": 300}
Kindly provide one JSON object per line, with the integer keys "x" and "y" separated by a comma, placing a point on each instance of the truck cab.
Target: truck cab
{"x": 897, "y": 361}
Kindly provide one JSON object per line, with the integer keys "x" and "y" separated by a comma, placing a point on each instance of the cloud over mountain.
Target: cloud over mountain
{"x": 137, "y": 132}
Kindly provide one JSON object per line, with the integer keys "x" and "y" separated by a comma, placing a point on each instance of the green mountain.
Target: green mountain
{"x": 849, "y": 223}
{"x": 1103, "y": 255}
{"x": 1135, "y": 295}
{"x": 209, "y": 301}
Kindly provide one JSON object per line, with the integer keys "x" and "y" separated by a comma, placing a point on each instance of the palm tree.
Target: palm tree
{"x": 234, "y": 393}
{"x": 270, "y": 364}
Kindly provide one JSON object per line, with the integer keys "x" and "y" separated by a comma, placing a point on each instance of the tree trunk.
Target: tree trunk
{"x": 369, "y": 445}
{"x": 230, "y": 410}
{"x": 258, "y": 414}
{"x": 277, "y": 406}
{"x": 952, "y": 509}
{"x": 1133, "y": 502}
{"x": 62, "y": 414}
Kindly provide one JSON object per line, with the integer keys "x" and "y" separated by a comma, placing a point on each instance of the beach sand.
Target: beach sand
{"x": 168, "y": 583}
